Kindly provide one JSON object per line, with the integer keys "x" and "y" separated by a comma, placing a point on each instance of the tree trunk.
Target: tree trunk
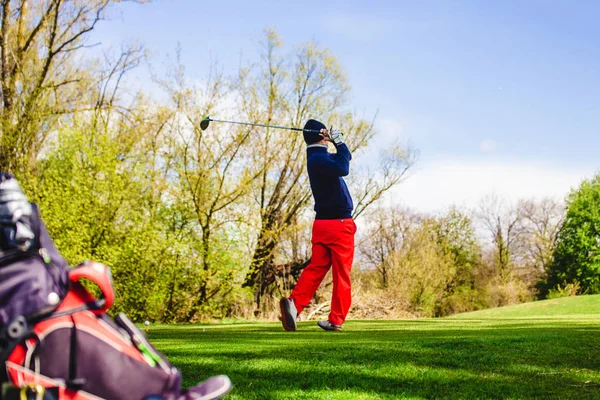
{"x": 261, "y": 263}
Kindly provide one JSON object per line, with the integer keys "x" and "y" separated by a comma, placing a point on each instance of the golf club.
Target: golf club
{"x": 206, "y": 121}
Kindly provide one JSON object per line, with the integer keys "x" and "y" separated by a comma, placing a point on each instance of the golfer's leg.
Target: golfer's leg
{"x": 342, "y": 256}
{"x": 311, "y": 276}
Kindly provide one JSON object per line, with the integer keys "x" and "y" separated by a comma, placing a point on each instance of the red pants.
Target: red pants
{"x": 332, "y": 246}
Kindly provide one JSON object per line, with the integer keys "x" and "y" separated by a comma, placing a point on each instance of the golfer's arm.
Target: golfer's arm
{"x": 339, "y": 164}
{"x": 344, "y": 151}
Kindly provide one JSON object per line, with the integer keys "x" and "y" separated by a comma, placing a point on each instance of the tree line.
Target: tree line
{"x": 497, "y": 254}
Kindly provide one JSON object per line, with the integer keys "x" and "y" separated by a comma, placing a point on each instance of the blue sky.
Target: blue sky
{"x": 497, "y": 95}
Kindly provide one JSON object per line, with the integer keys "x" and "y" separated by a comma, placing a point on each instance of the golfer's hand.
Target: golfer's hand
{"x": 337, "y": 137}
{"x": 325, "y": 135}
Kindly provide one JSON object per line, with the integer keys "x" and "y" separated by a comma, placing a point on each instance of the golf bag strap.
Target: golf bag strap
{"x": 74, "y": 383}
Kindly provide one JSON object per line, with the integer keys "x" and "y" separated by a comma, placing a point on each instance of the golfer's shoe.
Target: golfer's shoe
{"x": 213, "y": 388}
{"x": 328, "y": 326}
{"x": 288, "y": 314}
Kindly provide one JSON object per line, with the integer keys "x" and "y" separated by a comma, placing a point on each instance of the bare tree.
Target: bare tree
{"x": 543, "y": 220}
{"x": 504, "y": 224}
{"x": 39, "y": 74}
{"x": 383, "y": 239}
{"x": 211, "y": 175}
{"x": 371, "y": 182}
{"x": 312, "y": 86}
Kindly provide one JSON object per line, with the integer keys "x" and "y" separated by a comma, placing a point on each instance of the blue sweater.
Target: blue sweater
{"x": 325, "y": 171}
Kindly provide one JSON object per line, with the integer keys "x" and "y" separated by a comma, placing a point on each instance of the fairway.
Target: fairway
{"x": 552, "y": 357}
{"x": 580, "y": 307}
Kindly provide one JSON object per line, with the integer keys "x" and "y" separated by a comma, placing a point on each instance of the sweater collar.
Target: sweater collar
{"x": 316, "y": 148}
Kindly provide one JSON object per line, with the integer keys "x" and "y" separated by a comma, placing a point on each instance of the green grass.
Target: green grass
{"x": 548, "y": 357}
{"x": 579, "y": 306}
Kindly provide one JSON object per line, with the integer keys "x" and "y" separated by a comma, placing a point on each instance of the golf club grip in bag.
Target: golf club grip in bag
{"x": 34, "y": 281}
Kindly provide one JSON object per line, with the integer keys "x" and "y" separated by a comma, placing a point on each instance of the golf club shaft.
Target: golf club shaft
{"x": 266, "y": 126}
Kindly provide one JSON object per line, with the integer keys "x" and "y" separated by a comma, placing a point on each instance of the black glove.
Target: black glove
{"x": 15, "y": 216}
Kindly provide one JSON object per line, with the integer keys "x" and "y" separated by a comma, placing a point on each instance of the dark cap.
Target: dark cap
{"x": 313, "y": 137}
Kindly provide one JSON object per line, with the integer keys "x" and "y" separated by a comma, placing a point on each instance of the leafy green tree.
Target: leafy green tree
{"x": 455, "y": 233}
{"x": 429, "y": 263}
{"x": 423, "y": 269}
{"x": 577, "y": 253}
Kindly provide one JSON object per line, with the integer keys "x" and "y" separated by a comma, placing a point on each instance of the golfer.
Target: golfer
{"x": 333, "y": 230}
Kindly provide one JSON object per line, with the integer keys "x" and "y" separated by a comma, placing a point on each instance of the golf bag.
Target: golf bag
{"x": 56, "y": 340}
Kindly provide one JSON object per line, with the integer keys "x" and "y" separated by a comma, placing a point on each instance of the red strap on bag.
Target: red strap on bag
{"x": 100, "y": 275}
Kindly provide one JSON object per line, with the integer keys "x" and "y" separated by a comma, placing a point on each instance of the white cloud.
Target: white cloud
{"x": 488, "y": 146}
{"x": 438, "y": 185}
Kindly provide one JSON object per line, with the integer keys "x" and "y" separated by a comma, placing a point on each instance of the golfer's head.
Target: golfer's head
{"x": 313, "y": 137}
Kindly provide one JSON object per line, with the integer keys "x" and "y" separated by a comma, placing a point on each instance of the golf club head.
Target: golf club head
{"x": 204, "y": 123}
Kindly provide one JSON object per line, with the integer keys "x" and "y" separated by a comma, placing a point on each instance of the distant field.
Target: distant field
{"x": 579, "y": 306}
{"x": 543, "y": 350}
